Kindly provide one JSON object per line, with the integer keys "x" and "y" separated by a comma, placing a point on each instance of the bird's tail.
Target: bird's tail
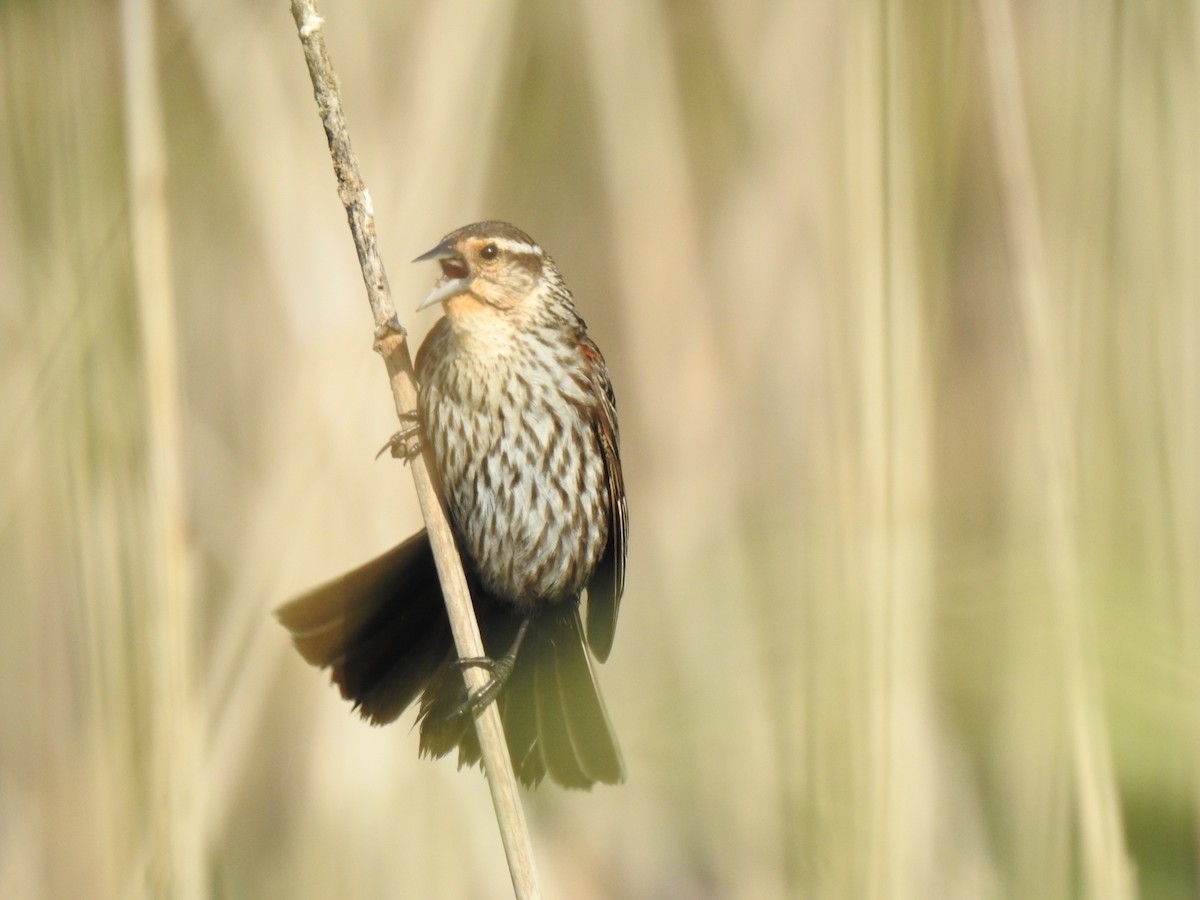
{"x": 383, "y": 632}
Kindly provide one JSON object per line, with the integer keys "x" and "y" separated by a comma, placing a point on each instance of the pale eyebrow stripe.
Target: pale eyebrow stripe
{"x": 519, "y": 248}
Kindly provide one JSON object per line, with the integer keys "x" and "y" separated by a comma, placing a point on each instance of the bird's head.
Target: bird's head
{"x": 489, "y": 269}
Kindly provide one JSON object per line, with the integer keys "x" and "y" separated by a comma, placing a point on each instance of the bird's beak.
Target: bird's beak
{"x": 455, "y": 275}
{"x": 441, "y": 251}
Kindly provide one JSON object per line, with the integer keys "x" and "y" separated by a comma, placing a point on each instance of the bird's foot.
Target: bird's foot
{"x": 499, "y": 670}
{"x": 405, "y": 444}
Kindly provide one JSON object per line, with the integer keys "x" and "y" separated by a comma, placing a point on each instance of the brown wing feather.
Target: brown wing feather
{"x": 608, "y": 582}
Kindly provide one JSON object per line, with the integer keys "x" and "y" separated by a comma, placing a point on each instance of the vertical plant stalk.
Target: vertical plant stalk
{"x": 876, "y": 524}
{"x": 1106, "y": 863}
{"x": 175, "y": 826}
{"x": 896, "y": 431}
{"x": 392, "y": 344}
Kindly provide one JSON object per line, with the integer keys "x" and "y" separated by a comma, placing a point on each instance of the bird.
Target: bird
{"x": 517, "y": 415}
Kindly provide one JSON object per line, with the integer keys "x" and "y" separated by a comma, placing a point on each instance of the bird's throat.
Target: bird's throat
{"x": 478, "y": 329}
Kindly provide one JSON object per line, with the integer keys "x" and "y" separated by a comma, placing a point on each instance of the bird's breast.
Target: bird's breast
{"x": 514, "y": 443}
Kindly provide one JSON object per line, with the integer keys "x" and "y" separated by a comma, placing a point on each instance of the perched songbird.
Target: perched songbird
{"x": 516, "y": 409}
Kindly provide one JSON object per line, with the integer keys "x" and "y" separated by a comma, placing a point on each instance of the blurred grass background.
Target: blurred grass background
{"x": 902, "y": 306}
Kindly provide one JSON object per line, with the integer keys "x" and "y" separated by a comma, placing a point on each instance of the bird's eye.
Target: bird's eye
{"x": 489, "y": 251}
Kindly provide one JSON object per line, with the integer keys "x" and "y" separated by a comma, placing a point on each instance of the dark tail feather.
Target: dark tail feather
{"x": 381, "y": 629}
{"x": 383, "y": 632}
{"x": 554, "y": 719}
{"x": 579, "y": 702}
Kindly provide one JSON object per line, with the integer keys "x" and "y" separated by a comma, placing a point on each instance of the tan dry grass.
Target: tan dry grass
{"x": 847, "y": 666}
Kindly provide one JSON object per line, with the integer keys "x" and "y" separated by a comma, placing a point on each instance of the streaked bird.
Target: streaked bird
{"x": 519, "y": 418}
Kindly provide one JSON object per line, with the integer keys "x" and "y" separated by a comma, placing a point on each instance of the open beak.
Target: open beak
{"x": 455, "y": 274}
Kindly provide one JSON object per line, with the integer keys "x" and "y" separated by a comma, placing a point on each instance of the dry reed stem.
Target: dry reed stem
{"x": 1106, "y": 864}
{"x": 392, "y": 344}
{"x": 176, "y": 824}
{"x": 896, "y": 462}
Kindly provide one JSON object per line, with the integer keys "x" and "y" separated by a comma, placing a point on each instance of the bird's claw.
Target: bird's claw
{"x": 498, "y": 670}
{"x": 405, "y": 444}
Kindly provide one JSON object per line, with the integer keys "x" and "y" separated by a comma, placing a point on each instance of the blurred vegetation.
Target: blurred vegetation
{"x": 911, "y": 435}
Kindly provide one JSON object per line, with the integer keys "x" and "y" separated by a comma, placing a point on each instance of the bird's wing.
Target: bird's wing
{"x": 608, "y": 581}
